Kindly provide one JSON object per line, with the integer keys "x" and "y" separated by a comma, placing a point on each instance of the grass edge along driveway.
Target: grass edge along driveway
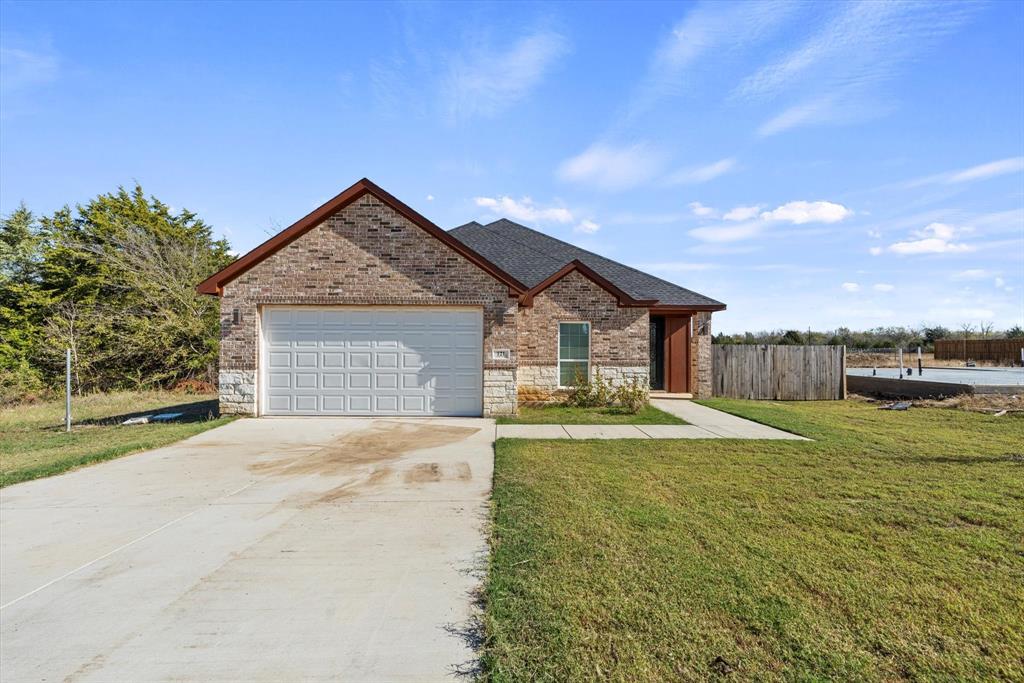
{"x": 888, "y": 548}
{"x": 33, "y": 443}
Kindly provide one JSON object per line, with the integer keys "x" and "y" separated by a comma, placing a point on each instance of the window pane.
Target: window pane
{"x": 567, "y": 372}
{"x": 574, "y": 341}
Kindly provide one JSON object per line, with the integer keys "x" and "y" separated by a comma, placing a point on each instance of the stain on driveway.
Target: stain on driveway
{"x": 276, "y": 549}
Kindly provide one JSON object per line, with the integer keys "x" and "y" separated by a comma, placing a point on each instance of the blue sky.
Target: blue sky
{"x": 810, "y": 164}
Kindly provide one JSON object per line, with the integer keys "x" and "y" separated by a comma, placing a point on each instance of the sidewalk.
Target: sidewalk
{"x": 704, "y": 423}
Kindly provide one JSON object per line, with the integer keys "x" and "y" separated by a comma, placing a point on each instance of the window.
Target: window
{"x": 573, "y": 352}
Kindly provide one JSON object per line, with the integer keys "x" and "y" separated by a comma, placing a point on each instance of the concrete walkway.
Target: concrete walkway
{"x": 283, "y": 549}
{"x": 704, "y": 423}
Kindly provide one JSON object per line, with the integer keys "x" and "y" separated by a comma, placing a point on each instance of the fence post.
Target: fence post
{"x": 67, "y": 390}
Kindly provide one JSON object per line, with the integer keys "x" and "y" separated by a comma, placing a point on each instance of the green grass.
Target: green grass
{"x": 566, "y": 415}
{"x": 890, "y": 548}
{"x": 33, "y": 442}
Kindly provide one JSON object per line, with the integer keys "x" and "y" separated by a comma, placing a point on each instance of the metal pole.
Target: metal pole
{"x": 901, "y": 362}
{"x": 67, "y": 390}
{"x": 919, "y": 366}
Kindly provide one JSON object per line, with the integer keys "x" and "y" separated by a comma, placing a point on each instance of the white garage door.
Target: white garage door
{"x": 320, "y": 360}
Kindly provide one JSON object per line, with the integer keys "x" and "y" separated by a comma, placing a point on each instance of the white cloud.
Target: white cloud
{"x": 934, "y": 238}
{"x": 612, "y": 168}
{"x": 701, "y": 210}
{"x": 796, "y": 213}
{"x": 802, "y": 212}
{"x": 817, "y": 110}
{"x": 850, "y": 287}
{"x": 23, "y": 67}
{"x": 836, "y": 70}
{"x": 587, "y": 226}
{"x": 487, "y": 82}
{"x": 710, "y": 29}
{"x": 430, "y": 197}
{"x": 742, "y": 213}
{"x": 989, "y": 170}
{"x": 701, "y": 174}
{"x": 875, "y": 251}
{"x": 972, "y": 274}
{"x": 883, "y": 287}
{"x": 524, "y": 210}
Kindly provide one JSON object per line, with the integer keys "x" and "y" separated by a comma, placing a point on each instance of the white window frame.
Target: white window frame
{"x": 558, "y": 348}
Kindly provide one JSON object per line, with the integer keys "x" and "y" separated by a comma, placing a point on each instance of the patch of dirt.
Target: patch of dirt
{"x": 381, "y": 442}
{"x": 423, "y": 473}
{"x": 351, "y": 489}
{"x": 463, "y": 471}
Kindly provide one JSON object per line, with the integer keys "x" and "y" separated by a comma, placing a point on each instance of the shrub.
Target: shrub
{"x": 632, "y": 395}
{"x": 590, "y": 393}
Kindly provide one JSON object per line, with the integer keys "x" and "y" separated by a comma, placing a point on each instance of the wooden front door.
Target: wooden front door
{"x": 677, "y": 354}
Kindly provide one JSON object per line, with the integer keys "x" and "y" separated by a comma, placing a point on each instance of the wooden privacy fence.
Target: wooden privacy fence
{"x": 998, "y": 350}
{"x": 782, "y": 373}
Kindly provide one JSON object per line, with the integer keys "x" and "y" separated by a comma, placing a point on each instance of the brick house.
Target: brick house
{"x": 365, "y": 307}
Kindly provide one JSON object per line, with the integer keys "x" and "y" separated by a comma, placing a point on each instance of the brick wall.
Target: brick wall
{"x": 619, "y": 337}
{"x": 700, "y": 355}
{"x": 364, "y": 254}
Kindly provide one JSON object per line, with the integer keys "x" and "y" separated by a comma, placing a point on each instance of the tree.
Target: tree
{"x": 114, "y": 280}
{"x": 20, "y": 303}
{"x": 1015, "y": 332}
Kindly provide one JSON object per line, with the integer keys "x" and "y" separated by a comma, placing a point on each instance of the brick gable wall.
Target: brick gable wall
{"x": 365, "y": 254}
{"x": 619, "y": 340}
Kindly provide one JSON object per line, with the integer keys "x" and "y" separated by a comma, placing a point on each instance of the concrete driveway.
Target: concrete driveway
{"x": 266, "y": 550}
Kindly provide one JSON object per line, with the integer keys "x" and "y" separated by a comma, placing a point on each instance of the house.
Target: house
{"x": 365, "y": 307}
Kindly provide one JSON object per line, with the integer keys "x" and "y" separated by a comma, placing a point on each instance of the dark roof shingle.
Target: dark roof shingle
{"x": 531, "y": 256}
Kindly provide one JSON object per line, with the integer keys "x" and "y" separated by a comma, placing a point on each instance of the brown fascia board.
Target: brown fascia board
{"x": 686, "y": 309}
{"x": 624, "y": 299}
{"x": 215, "y": 283}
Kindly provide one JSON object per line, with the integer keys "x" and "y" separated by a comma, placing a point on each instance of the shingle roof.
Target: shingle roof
{"x": 531, "y": 256}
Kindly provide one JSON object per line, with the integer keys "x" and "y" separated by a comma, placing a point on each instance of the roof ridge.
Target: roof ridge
{"x": 587, "y": 251}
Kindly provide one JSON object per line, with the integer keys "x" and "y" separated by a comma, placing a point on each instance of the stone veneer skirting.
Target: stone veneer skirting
{"x": 237, "y": 392}
{"x": 546, "y": 376}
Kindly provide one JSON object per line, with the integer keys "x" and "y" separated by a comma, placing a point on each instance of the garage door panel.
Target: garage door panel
{"x": 279, "y": 380}
{"x": 359, "y": 403}
{"x": 359, "y": 360}
{"x": 384, "y": 361}
{"x": 332, "y": 380}
{"x": 333, "y": 404}
{"x": 306, "y": 360}
{"x": 280, "y": 359}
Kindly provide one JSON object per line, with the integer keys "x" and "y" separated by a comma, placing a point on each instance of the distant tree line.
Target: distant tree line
{"x": 113, "y": 280}
{"x": 875, "y": 338}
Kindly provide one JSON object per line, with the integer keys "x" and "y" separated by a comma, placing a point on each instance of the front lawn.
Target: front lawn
{"x": 33, "y": 442}
{"x": 890, "y": 547}
{"x": 566, "y": 415}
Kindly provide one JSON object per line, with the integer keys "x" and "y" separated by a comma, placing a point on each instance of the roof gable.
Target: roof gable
{"x": 215, "y": 283}
{"x": 532, "y": 257}
{"x": 624, "y": 299}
